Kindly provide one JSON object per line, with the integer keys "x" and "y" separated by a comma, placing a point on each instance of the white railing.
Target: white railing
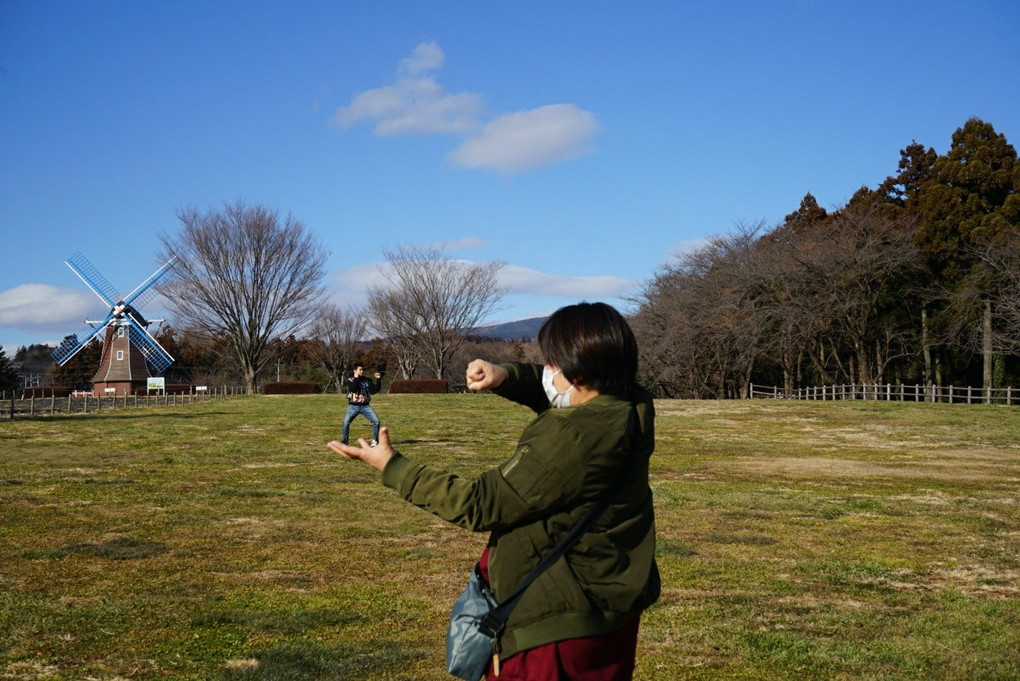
{"x": 892, "y": 393}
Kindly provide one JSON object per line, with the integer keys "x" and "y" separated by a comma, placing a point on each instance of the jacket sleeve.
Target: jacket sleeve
{"x": 542, "y": 476}
{"x": 481, "y": 505}
{"x": 523, "y": 385}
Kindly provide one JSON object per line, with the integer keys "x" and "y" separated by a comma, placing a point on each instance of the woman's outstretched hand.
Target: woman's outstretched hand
{"x": 377, "y": 457}
{"x": 482, "y": 375}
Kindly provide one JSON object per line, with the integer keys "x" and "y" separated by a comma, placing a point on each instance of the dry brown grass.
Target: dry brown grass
{"x": 222, "y": 541}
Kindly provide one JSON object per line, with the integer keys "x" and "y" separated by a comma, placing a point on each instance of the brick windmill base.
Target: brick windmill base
{"x": 122, "y": 367}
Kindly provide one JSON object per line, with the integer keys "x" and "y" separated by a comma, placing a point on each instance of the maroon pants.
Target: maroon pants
{"x": 608, "y": 657}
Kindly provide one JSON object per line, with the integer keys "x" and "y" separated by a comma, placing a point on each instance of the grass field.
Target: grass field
{"x": 223, "y": 541}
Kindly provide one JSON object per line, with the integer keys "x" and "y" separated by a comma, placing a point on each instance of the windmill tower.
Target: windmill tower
{"x": 128, "y": 349}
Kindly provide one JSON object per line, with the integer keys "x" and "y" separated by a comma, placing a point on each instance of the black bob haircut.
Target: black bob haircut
{"x": 593, "y": 345}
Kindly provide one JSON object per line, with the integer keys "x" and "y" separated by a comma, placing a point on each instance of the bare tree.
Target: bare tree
{"x": 403, "y": 339}
{"x": 337, "y": 333}
{"x": 431, "y": 303}
{"x": 1002, "y": 258}
{"x": 700, "y": 322}
{"x": 863, "y": 261}
{"x": 672, "y": 360}
{"x": 245, "y": 275}
{"x": 984, "y": 309}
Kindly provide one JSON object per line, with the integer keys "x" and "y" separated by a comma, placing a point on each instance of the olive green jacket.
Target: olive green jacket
{"x": 564, "y": 461}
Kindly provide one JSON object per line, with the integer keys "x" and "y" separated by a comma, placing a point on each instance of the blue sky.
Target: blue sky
{"x": 582, "y": 143}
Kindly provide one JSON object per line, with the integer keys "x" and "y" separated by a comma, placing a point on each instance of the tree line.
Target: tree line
{"x": 914, "y": 281}
{"x": 249, "y": 307}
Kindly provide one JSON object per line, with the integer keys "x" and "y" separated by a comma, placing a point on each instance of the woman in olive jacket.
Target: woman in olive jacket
{"x": 579, "y": 619}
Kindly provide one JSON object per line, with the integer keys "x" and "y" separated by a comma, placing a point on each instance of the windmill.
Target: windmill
{"x": 128, "y": 349}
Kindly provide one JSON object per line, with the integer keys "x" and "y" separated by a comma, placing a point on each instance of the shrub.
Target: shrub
{"x": 291, "y": 388}
{"x": 420, "y": 385}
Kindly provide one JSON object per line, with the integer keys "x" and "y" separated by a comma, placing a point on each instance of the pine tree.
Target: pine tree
{"x": 8, "y": 374}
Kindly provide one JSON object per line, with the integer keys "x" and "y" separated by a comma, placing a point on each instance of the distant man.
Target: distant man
{"x": 359, "y": 393}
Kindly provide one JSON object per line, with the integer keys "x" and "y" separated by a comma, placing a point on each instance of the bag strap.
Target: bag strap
{"x": 494, "y": 621}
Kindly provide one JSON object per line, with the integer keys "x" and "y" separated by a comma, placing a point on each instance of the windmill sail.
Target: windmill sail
{"x": 123, "y": 316}
{"x": 70, "y": 346}
{"x": 136, "y": 297}
{"x": 87, "y": 272}
{"x": 153, "y": 352}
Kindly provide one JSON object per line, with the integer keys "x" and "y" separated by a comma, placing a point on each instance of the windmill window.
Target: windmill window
{"x": 120, "y": 332}
{"x": 120, "y": 355}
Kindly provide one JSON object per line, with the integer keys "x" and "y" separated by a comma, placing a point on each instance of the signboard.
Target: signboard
{"x": 156, "y": 383}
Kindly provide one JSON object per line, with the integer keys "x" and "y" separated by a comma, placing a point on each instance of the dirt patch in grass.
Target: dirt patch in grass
{"x": 974, "y": 467}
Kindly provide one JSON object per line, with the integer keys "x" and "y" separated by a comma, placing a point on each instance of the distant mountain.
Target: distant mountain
{"x": 522, "y": 329}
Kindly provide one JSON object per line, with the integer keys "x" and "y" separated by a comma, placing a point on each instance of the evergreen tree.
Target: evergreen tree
{"x": 970, "y": 198}
{"x": 8, "y": 374}
{"x": 807, "y": 216}
{"x": 916, "y": 167}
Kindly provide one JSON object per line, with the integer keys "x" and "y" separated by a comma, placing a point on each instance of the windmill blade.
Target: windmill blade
{"x": 153, "y": 352}
{"x": 141, "y": 288}
{"x": 70, "y": 346}
{"x": 88, "y": 273}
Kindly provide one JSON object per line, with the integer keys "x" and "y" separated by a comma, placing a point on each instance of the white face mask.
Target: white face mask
{"x": 557, "y": 399}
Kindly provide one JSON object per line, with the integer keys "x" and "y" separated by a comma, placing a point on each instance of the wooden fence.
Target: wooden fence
{"x": 893, "y": 393}
{"x": 82, "y": 402}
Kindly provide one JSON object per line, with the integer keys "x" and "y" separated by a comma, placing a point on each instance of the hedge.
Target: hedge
{"x": 291, "y": 388}
{"x": 420, "y": 385}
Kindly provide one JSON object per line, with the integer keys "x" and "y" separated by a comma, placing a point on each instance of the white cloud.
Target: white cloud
{"x": 350, "y": 286}
{"x": 529, "y": 139}
{"x": 45, "y": 308}
{"x": 426, "y": 57}
{"x": 524, "y": 280}
{"x": 458, "y": 244}
{"x": 682, "y": 248}
{"x": 417, "y": 104}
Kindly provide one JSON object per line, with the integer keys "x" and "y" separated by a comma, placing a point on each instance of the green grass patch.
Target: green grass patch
{"x": 222, "y": 540}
